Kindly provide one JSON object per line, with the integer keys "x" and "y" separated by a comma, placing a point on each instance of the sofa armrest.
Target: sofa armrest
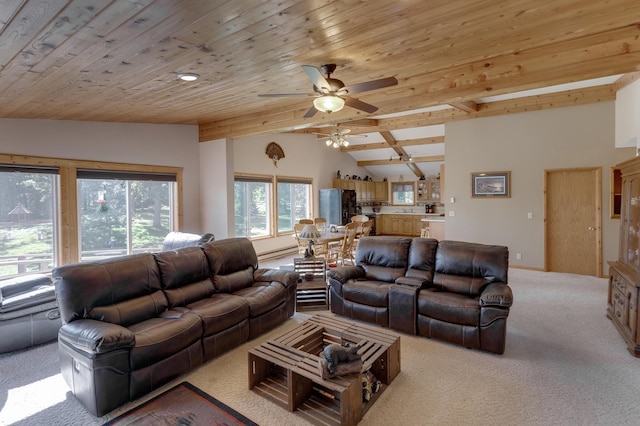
{"x": 413, "y": 282}
{"x": 345, "y": 273}
{"x": 286, "y": 278}
{"x": 96, "y": 336}
{"x": 497, "y": 294}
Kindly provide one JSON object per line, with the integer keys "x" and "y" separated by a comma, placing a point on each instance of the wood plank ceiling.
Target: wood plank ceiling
{"x": 118, "y": 60}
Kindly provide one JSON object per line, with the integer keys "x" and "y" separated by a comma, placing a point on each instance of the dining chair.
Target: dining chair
{"x": 306, "y": 221}
{"x": 365, "y": 231}
{"x": 360, "y": 220}
{"x": 321, "y": 223}
{"x": 343, "y": 251}
{"x": 302, "y": 244}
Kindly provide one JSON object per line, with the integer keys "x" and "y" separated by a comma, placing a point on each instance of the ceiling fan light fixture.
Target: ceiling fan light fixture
{"x": 328, "y": 103}
{"x": 188, "y": 76}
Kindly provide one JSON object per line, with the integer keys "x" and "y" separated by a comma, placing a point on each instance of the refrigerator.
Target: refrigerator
{"x": 337, "y": 205}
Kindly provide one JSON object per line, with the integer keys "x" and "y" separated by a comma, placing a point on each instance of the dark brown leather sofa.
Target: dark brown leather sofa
{"x": 451, "y": 290}
{"x": 133, "y": 323}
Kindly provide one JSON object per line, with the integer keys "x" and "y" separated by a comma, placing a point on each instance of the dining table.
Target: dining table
{"x": 326, "y": 236}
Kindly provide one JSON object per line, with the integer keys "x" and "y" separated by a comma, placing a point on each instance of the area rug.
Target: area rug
{"x": 183, "y": 405}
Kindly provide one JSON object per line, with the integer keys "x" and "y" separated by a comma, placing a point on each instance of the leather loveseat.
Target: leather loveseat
{"x": 133, "y": 323}
{"x": 450, "y": 290}
{"x": 29, "y": 314}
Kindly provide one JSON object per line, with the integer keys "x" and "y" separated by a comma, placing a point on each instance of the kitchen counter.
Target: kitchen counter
{"x": 409, "y": 213}
{"x": 433, "y": 219}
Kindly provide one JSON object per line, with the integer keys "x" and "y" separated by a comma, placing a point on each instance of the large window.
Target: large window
{"x": 27, "y": 219}
{"x": 123, "y": 213}
{"x": 252, "y": 206}
{"x": 55, "y": 211}
{"x": 294, "y": 201}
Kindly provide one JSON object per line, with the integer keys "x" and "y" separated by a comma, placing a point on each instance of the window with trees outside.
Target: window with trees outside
{"x": 56, "y": 211}
{"x": 252, "y": 206}
{"x": 294, "y": 201}
{"x": 28, "y": 196}
{"x": 122, "y": 212}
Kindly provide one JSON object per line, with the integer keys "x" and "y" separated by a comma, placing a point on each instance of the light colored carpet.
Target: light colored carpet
{"x": 564, "y": 364}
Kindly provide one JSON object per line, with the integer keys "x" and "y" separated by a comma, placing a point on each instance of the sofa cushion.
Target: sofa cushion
{"x": 422, "y": 259}
{"x": 383, "y": 258}
{"x": 263, "y": 297}
{"x": 161, "y": 337}
{"x": 184, "y": 274}
{"x": 231, "y": 263}
{"x": 449, "y": 307}
{"x": 121, "y": 290}
{"x": 367, "y": 292}
{"x": 467, "y": 268}
{"x": 220, "y": 311}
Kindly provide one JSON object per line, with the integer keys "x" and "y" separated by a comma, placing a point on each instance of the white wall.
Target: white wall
{"x": 527, "y": 144}
{"x": 628, "y": 116}
{"x": 305, "y": 156}
{"x": 153, "y": 144}
{"x": 216, "y": 187}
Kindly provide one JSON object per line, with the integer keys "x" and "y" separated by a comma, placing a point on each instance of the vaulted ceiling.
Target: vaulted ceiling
{"x": 118, "y": 61}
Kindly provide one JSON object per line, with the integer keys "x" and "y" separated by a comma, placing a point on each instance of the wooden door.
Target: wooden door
{"x": 573, "y": 221}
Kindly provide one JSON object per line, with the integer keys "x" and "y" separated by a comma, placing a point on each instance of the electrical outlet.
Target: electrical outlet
{"x": 518, "y": 256}
{"x": 452, "y": 213}
{"x": 530, "y": 215}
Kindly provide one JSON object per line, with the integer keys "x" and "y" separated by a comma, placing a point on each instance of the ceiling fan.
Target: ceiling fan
{"x": 338, "y": 137}
{"x": 332, "y": 94}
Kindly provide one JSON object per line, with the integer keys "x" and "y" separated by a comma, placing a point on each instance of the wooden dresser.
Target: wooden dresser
{"x": 624, "y": 274}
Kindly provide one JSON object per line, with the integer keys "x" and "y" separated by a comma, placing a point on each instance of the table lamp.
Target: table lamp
{"x": 309, "y": 232}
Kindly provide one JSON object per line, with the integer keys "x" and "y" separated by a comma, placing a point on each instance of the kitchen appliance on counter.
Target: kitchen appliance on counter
{"x": 338, "y": 206}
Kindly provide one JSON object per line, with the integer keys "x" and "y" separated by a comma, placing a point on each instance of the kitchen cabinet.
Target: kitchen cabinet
{"x": 381, "y": 192}
{"x": 406, "y": 225}
{"x": 428, "y": 190}
{"x": 442, "y": 197}
{"x": 366, "y": 191}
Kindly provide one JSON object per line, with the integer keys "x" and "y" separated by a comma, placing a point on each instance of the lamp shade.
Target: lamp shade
{"x": 309, "y": 232}
{"x": 328, "y": 103}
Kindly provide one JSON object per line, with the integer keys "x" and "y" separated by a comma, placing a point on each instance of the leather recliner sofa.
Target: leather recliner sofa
{"x": 133, "y": 323}
{"x": 29, "y": 314}
{"x": 450, "y": 290}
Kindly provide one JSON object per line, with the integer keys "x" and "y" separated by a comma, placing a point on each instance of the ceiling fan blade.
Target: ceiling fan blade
{"x": 372, "y": 85}
{"x": 316, "y": 76}
{"x": 310, "y": 112}
{"x": 284, "y": 95}
{"x": 358, "y": 104}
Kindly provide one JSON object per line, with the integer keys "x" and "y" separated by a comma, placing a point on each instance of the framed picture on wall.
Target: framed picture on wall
{"x": 491, "y": 185}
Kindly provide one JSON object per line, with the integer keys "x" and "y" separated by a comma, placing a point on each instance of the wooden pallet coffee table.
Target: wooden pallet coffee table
{"x": 287, "y": 369}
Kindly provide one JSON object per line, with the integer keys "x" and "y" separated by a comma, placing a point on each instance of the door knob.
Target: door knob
{"x": 591, "y": 228}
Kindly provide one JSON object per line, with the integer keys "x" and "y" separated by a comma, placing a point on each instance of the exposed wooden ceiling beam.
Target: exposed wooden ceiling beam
{"x": 393, "y": 143}
{"x": 271, "y": 123}
{"x": 428, "y": 159}
{"x": 403, "y": 143}
{"x": 467, "y": 106}
{"x": 626, "y": 80}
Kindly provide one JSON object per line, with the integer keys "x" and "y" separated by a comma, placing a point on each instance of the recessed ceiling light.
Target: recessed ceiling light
{"x": 188, "y": 76}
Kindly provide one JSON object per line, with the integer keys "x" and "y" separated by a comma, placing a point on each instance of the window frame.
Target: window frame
{"x": 68, "y": 228}
{"x": 249, "y": 177}
{"x": 292, "y": 180}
